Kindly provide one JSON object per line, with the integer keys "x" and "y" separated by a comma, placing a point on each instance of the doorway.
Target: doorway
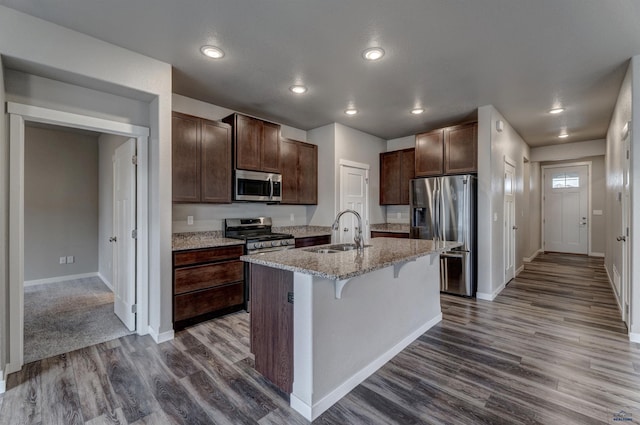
{"x": 509, "y": 220}
{"x": 354, "y": 195}
{"x": 19, "y": 115}
{"x": 566, "y": 190}
{"x": 624, "y": 291}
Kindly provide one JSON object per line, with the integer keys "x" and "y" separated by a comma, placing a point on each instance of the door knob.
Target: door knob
{"x": 113, "y": 239}
{"x": 621, "y": 238}
{"x": 346, "y": 229}
{"x": 515, "y": 227}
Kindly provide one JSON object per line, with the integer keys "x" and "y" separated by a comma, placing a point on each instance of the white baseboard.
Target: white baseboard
{"x": 520, "y": 269}
{"x": 596, "y": 254}
{"x": 59, "y": 279}
{"x": 3, "y": 383}
{"x": 530, "y": 259}
{"x": 490, "y": 297}
{"x": 161, "y": 337}
{"x": 105, "y": 281}
{"x": 312, "y": 412}
{"x": 634, "y": 337}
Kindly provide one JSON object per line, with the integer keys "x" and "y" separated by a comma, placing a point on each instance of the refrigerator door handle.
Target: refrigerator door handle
{"x": 434, "y": 214}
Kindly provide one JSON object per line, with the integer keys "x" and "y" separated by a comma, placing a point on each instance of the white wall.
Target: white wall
{"x": 569, "y": 150}
{"x": 4, "y": 231}
{"x": 401, "y": 143}
{"x": 325, "y": 212}
{"x": 493, "y": 147}
{"x": 354, "y": 145}
{"x": 107, "y": 144}
{"x": 535, "y": 210}
{"x": 211, "y": 216}
{"x": 88, "y": 62}
{"x": 60, "y": 203}
{"x": 27, "y": 88}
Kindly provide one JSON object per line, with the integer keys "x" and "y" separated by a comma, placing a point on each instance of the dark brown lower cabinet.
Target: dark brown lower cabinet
{"x": 271, "y": 324}
{"x": 375, "y": 234}
{"x": 313, "y": 240}
{"x": 207, "y": 283}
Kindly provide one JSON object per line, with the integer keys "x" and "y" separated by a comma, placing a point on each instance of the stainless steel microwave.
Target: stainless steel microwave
{"x": 257, "y": 186}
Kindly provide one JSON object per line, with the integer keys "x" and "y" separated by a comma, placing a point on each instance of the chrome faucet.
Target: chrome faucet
{"x": 357, "y": 239}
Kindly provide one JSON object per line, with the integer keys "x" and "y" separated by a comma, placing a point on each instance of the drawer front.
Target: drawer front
{"x": 378, "y": 234}
{"x": 196, "y": 256}
{"x": 194, "y": 304}
{"x": 193, "y": 278}
{"x": 312, "y": 241}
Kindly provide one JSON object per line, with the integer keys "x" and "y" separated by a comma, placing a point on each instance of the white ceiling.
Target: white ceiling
{"x": 449, "y": 56}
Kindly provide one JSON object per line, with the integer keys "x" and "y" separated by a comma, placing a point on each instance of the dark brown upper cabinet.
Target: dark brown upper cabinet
{"x": 450, "y": 150}
{"x": 256, "y": 143}
{"x": 201, "y": 160}
{"x": 397, "y": 168}
{"x": 299, "y": 168}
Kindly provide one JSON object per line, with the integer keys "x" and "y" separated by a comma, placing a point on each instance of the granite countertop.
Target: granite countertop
{"x": 304, "y": 231}
{"x": 383, "y": 252}
{"x": 390, "y": 228}
{"x": 196, "y": 240}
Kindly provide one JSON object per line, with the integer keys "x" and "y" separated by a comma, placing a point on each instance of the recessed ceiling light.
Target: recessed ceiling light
{"x": 556, "y": 110}
{"x": 212, "y": 52}
{"x": 563, "y": 136}
{"x": 417, "y": 111}
{"x": 298, "y": 89}
{"x": 351, "y": 111}
{"x": 373, "y": 53}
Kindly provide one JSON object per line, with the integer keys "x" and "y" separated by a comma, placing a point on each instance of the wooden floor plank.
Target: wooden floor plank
{"x": 549, "y": 349}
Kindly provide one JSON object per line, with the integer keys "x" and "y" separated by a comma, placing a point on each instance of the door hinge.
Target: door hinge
{"x": 134, "y": 308}
{"x": 627, "y": 153}
{"x": 290, "y": 297}
{"x": 134, "y": 233}
{"x": 627, "y": 232}
{"x": 134, "y": 159}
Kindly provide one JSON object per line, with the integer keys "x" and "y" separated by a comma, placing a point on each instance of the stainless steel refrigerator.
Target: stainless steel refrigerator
{"x": 444, "y": 208}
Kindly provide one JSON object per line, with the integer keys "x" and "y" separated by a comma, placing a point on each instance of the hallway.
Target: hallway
{"x": 550, "y": 349}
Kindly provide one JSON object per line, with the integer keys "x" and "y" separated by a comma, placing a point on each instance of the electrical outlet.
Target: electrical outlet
{"x": 70, "y": 259}
{"x": 292, "y": 218}
{"x": 63, "y": 260}
{"x": 398, "y": 216}
{"x": 189, "y": 220}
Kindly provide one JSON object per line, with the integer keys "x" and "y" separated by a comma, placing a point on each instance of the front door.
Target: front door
{"x": 353, "y": 194}
{"x": 566, "y": 203}
{"x": 509, "y": 222}
{"x": 123, "y": 241}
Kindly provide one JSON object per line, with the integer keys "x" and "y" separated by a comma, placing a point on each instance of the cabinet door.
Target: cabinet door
{"x": 307, "y": 174}
{"x": 407, "y": 172}
{"x": 461, "y": 149}
{"x": 429, "y": 153}
{"x": 289, "y": 169}
{"x": 390, "y": 178}
{"x": 270, "y": 155}
{"x": 185, "y": 154}
{"x": 248, "y": 143}
{"x": 215, "y": 151}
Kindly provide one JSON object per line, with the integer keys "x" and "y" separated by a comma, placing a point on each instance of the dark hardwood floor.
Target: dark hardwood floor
{"x": 549, "y": 350}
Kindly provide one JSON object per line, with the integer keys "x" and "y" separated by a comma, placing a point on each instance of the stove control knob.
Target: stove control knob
{"x": 284, "y": 243}
{"x": 275, "y": 243}
{"x": 257, "y": 245}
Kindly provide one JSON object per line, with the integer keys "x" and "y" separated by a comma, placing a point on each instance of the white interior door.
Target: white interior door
{"x": 509, "y": 222}
{"x": 623, "y": 236}
{"x": 566, "y": 203}
{"x": 354, "y": 189}
{"x": 124, "y": 223}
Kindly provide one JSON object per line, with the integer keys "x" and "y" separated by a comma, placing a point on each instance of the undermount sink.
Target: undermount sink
{"x": 332, "y": 249}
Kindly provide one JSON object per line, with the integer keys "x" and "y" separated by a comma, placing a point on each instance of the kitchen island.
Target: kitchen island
{"x": 321, "y": 323}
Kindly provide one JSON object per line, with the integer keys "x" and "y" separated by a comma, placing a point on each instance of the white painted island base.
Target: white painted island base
{"x": 339, "y": 342}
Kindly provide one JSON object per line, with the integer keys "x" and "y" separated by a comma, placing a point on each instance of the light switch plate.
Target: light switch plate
{"x": 63, "y": 260}
{"x": 189, "y": 220}
{"x": 597, "y": 212}
{"x": 70, "y": 259}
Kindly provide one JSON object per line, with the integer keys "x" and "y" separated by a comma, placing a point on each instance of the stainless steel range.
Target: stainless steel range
{"x": 257, "y": 234}
{"x": 258, "y": 237}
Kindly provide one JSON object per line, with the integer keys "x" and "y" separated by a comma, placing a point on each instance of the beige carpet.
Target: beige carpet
{"x": 65, "y": 316}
